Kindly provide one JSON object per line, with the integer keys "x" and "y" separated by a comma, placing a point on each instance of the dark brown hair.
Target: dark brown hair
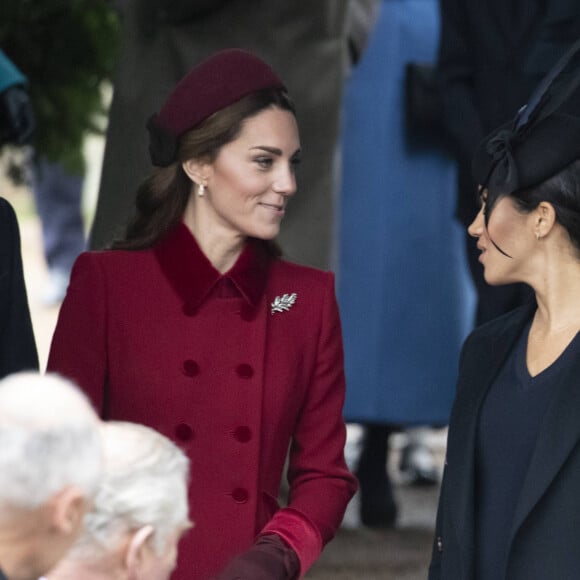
{"x": 161, "y": 199}
{"x": 561, "y": 190}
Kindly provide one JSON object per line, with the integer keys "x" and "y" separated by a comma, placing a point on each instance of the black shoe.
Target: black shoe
{"x": 377, "y": 504}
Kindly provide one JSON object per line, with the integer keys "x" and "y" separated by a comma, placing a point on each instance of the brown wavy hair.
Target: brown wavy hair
{"x": 162, "y": 198}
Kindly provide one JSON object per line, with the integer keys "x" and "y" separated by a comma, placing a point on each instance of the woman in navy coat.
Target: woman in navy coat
{"x": 195, "y": 327}
{"x": 509, "y": 506}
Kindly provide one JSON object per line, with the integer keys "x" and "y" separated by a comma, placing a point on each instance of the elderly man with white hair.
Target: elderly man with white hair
{"x": 139, "y": 513}
{"x": 50, "y": 466}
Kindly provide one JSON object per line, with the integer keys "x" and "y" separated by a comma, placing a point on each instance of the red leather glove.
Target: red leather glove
{"x": 268, "y": 559}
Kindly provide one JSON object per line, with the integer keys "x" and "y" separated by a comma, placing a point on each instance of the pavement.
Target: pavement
{"x": 357, "y": 553}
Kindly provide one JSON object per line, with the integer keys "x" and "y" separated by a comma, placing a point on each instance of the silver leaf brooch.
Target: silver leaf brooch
{"x": 283, "y": 303}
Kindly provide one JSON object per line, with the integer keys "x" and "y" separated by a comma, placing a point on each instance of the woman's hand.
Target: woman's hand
{"x": 268, "y": 559}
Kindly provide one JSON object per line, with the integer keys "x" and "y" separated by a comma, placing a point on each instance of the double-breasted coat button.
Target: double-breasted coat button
{"x": 240, "y": 495}
{"x": 247, "y": 313}
{"x": 439, "y": 544}
{"x": 189, "y": 309}
{"x": 243, "y": 434}
{"x": 190, "y": 368}
{"x": 184, "y": 432}
{"x": 245, "y": 371}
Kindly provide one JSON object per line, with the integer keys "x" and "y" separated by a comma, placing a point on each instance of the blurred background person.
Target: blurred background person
{"x": 50, "y": 465}
{"x": 403, "y": 286}
{"x": 67, "y": 51}
{"x": 311, "y": 44}
{"x": 491, "y": 56}
{"x": 17, "y": 344}
{"x": 16, "y": 112}
{"x": 139, "y": 512}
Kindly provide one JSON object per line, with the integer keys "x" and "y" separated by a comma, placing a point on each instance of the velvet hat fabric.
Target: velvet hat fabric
{"x": 217, "y": 82}
{"x": 543, "y": 138}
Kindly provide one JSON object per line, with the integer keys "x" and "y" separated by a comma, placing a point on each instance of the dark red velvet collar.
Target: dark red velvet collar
{"x": 193, "y": 276}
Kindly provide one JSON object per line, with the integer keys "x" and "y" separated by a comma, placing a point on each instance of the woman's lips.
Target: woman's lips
{"x": 278, "y": 209}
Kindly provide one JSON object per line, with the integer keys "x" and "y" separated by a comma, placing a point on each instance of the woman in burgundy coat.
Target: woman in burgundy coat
{"x": 194, "y": 326}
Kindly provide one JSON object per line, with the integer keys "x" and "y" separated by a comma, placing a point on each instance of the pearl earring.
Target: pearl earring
{"x": 201, "y": 190}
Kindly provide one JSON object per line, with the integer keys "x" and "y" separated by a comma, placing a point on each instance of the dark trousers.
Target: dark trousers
{"x": 57, "y": 195}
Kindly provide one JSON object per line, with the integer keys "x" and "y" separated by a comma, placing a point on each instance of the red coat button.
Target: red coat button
{"x": 243, "y": 434}
{"x": 247, "y": 313}
{"x": 189, "y": 309}
{"x": 240, "y": 495}
{"x": 184, "y": 432}
{"x": 245, "y": 371}
{"x": 190, "y": 368}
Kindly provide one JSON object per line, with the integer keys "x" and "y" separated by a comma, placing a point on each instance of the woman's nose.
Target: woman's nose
{"x": 285, "y": 183}
{"x": 475, "y": 229}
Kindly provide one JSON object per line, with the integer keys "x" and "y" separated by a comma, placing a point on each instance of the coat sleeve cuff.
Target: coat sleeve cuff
{"x": 299, "y": 533}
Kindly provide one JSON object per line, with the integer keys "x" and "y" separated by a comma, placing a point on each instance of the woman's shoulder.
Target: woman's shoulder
{"x": 113, "y": 259}
{"x": 506, "y": 323}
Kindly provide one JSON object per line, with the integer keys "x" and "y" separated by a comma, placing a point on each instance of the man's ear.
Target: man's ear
{"x": 67, "y": 510}
{"x": 197, "y": 170}
{"x": 136, "y": 551}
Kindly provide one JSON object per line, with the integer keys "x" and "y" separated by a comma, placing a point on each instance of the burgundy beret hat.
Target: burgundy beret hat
{"x": 217, "y": 82}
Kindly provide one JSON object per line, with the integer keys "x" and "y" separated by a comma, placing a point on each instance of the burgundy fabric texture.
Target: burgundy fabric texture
{"x": 233, "y": 384}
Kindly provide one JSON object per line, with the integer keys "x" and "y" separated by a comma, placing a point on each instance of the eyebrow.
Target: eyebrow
{"x": 274, "y": 150}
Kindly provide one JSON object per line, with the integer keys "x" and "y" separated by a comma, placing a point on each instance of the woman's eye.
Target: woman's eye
{"x": 264, "y": 162}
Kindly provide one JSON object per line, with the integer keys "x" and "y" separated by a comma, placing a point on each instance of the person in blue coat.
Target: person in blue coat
{"x": 404, "y": 288}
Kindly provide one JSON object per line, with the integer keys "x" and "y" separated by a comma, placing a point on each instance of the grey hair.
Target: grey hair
{"x": 144, "y": 484}
{"x": 49, "y": 440}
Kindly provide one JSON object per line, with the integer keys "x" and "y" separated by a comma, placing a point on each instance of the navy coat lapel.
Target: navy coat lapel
{"x": 559, "y": 435}
{"x": 484, "y": 354}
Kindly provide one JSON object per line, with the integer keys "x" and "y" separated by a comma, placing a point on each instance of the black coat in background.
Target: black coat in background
{"x": 492, "y": 55}
{"x": 17, "y": 345}
{"x": 545, "y": 529}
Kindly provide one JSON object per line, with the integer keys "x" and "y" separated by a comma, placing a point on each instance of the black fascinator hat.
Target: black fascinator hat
{"x": 543, "y": 138}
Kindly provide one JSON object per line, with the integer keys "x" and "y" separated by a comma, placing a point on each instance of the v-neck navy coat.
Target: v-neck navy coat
{"x": 546, "y": 527}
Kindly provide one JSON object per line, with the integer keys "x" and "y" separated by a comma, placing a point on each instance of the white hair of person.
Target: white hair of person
{"x": 49, "y": 440}
{"x": 144, "y": 484}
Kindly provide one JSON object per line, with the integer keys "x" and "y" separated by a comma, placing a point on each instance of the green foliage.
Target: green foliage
{"x": 66, "y": 48}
